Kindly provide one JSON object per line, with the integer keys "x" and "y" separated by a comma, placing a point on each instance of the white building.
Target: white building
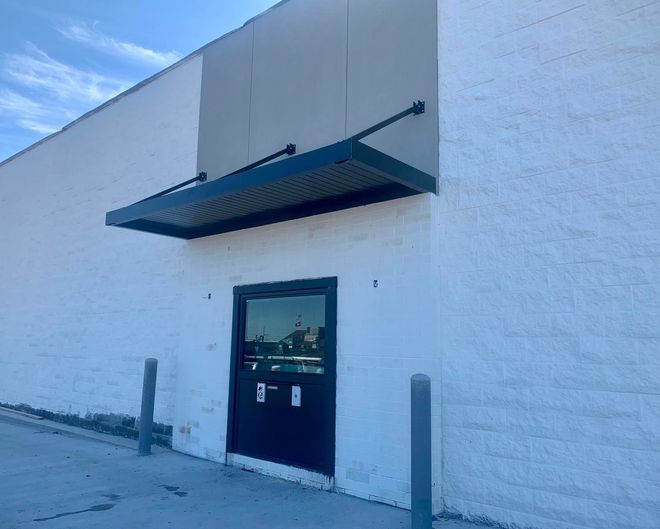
{"x": 526, "y": 284}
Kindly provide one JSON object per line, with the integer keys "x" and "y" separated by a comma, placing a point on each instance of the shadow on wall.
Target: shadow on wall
{"x": 108, "y": 423}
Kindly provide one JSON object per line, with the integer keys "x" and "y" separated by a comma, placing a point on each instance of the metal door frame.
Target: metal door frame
{"x": 326, "y": 286}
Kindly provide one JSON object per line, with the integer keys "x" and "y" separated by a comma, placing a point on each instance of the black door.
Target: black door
{"x": 282, "y": 395}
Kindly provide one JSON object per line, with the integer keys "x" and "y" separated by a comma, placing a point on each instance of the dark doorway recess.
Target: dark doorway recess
{"x": 283, "y": 373}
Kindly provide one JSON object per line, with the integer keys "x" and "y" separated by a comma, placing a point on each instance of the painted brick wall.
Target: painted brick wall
{"x": 82, "y": 305}
{"x": 528, "y": 289}
{"x": 384, "y": 334}
{"x": 549, "y": 261}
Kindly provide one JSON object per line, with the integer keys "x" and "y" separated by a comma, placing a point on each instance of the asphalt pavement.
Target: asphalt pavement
{"x": 59, "y": 477}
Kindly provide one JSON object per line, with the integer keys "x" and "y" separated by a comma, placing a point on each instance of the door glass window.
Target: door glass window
{"x": 285, "y": 334}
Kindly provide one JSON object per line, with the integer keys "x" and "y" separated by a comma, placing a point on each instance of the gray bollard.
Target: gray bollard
{"x": 147, "y": 412}
{"x": 420, "y": 451}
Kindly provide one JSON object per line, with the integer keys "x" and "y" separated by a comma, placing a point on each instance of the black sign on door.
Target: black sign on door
{"x": 283, "y": 373}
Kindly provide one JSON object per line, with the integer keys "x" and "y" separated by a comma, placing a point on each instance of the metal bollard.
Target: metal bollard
{"x": 420, "y": 451}
{"x": 147, "y": 412}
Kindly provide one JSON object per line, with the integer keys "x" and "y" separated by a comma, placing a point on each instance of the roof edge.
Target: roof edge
{"x": 139, "y": 85}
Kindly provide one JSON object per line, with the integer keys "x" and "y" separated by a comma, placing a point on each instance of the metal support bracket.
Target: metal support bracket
{"x": 288, "y": 150}
{"x": 418, "y": 107}
{"x": 201, "y": 177}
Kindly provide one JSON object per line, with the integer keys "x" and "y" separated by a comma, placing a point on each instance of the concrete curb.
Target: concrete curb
{"x": 22, "y": 413}
{"x": 26, "y": 419}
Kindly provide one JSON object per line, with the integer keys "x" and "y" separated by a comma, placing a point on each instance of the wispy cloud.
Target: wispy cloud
{"x": 28, "y": 113}
{"x": 37, "y": 70}
{"x": 97, "y": 40}
{"x": 40, "y": 94}
{"x": 47, "y": 94}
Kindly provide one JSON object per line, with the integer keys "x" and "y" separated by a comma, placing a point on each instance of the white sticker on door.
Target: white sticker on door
{"x": 261, "y": 392}
{"x": 296, "y": 396}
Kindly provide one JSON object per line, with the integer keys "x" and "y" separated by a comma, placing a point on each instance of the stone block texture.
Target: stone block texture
{"x": 548, "y": 263}
{"x": 528, "y": 288}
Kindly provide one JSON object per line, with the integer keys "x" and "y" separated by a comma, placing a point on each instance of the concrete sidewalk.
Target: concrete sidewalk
{"x": 61, "y": 477}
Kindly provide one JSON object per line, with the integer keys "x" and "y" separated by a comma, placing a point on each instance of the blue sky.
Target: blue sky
{"x": 60, "y": 59}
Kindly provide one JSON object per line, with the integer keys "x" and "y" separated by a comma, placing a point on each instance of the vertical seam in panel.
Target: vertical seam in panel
{"x": 437, "y": 96}
{"x": 435, "y": 267}
{"x": 249, "y": 138}
{"x": 199, "y": 116}
{"x": 348, "y": 3}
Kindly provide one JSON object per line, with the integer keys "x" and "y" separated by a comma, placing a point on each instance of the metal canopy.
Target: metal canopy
{"x": 339, "y": 176}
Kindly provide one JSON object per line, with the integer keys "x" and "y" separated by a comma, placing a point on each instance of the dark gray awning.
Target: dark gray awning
{"x": 339, "y": 176}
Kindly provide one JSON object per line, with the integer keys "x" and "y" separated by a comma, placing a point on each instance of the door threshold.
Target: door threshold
{"x": 278, "y": 470}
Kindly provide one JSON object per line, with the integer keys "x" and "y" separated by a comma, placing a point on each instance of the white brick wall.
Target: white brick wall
{"x": 384, "y": 334}
{"x": 528, "y": 289}
{"x": 549, "y": 261}
{"x": 82, "y": 305}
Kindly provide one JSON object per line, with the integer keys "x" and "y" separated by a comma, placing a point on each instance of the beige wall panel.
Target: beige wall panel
{"x": 392, "y": 60}
{"x": 299, "y": 77}
{"x": 225, "y": 104}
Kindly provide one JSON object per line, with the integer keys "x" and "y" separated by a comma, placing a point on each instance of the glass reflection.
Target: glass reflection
{"x": 285, "y": 334}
